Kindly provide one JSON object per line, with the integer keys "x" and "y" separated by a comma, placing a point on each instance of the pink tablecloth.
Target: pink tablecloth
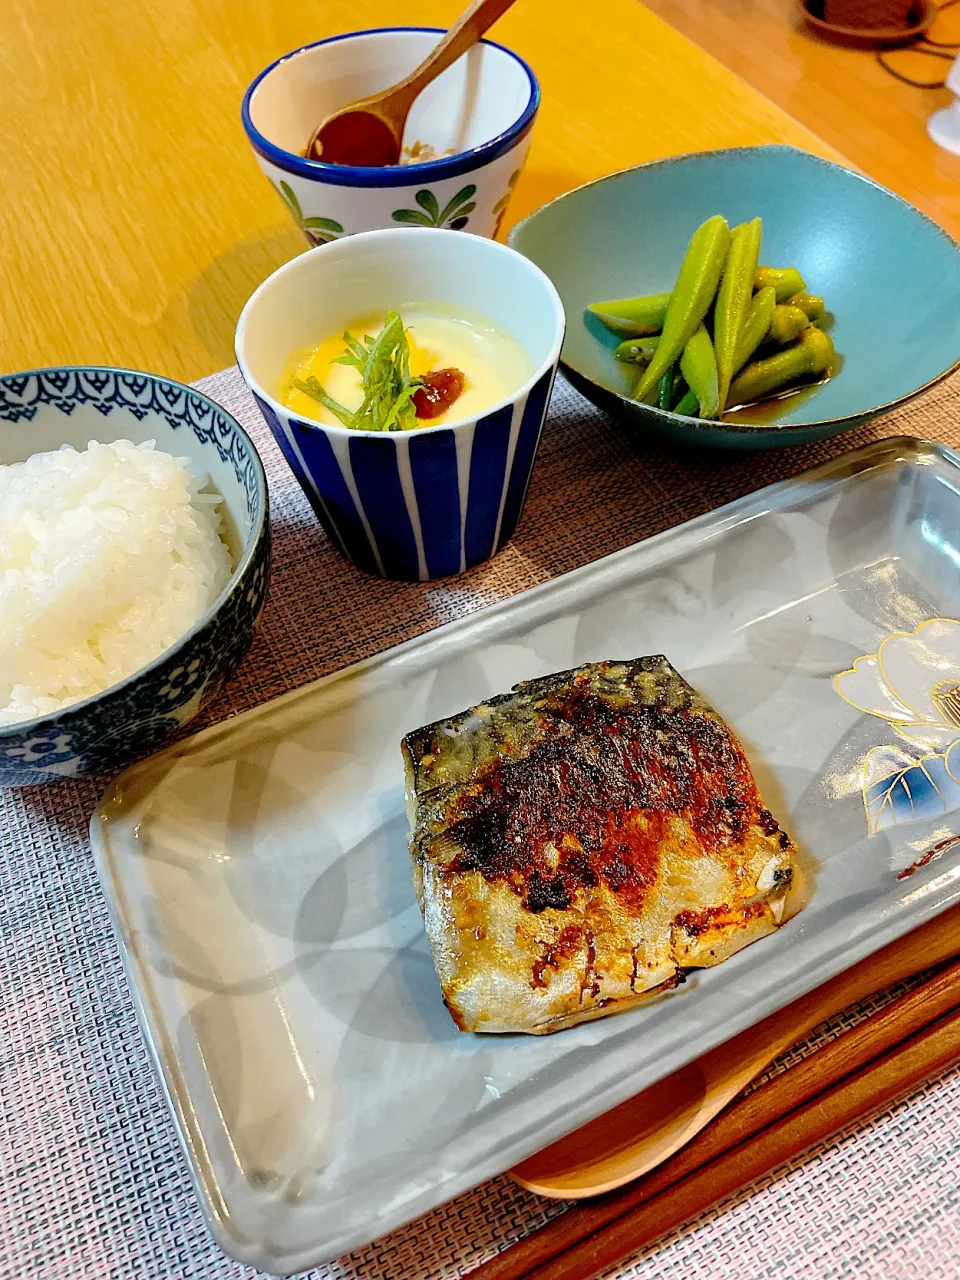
{"x": 92, "y": 1182}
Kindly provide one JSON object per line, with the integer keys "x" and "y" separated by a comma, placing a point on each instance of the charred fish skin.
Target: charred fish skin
{"x": 580, "y": 841}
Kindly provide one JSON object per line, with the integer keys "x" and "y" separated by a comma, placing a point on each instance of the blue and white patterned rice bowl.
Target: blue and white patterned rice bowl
{"x": 44, "y": 409}
{"x": 477, "y": 117}
{"x": 431, "y": 502}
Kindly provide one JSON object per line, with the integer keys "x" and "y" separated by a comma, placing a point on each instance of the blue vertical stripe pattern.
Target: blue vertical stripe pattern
{"x": 319, "y": 458}
{"x": 385, "y": 528}
{"x": 433, "y": 464}
{"x": 488, "y": 467}
{"x": 523, "y": 455}
{"x": 276, "y": 428}
{"x": 373, "y": 460}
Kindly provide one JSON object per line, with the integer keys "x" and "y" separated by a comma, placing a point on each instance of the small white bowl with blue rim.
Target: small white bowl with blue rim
{"x": 481, "y": 110}
{"x": 434, "y": 501}
{"x": 43, "y": 409}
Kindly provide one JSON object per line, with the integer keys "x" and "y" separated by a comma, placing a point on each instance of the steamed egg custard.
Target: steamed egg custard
{"x": 426, "y": 366}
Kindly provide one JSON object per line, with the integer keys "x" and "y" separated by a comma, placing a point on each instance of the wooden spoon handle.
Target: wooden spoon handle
{"x": 588, "y": 1241}
{"x": 463, "y": 35}
{"x": 925, "y": 947}
{"x": 647, "y": 1129}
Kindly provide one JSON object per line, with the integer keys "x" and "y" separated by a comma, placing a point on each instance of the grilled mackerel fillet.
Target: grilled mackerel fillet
{"x": 581, "y": 841}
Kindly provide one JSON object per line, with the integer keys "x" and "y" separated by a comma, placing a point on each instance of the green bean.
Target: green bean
{"x": 733, "y": 302}
{"x": 755, "y": 326}
{"x": 665, "y": 390}
{"x": 810, "y": 304}
{"x": 811, "y": 355}
{"x": 699, "y": 366}
{"x": 649, "y": 397}
{"x": 636, "y": 350}
{"x": 632, "y": 317}
{"x": 787, "y": 281}
{"x": 688, "y": 405}
{"x": 787, "y": 323}
{"x": 692, "y": 295}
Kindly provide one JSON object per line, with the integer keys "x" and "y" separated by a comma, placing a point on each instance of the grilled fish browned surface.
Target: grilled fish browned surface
{"x": 579, "y": 842}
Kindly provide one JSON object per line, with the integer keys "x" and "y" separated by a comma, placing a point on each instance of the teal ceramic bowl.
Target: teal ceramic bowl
{"x": 889, "y": 275}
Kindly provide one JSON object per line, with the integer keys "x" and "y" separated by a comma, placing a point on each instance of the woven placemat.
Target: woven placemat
{"x": 92, "y": 1182}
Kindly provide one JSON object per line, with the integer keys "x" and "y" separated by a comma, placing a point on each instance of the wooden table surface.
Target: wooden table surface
{"x": 135, "y": 221}
{"x": 879, "y": 123}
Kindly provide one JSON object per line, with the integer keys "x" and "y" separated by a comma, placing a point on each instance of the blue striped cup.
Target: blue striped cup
{"x": 431, "y": 502}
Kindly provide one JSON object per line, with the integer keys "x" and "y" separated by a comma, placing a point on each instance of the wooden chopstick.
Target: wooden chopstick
{"x": 931, "y": 1050}
{"x": 863, "y": 1069}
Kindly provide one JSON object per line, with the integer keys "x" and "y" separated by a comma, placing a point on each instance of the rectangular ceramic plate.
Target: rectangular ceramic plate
{"x": 260, "y": 879}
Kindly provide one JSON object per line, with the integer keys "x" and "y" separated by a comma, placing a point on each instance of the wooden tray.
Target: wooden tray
{"x": 882, "y": 1057}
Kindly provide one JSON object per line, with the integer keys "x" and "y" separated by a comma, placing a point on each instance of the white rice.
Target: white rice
{"x": 107, "y": 557}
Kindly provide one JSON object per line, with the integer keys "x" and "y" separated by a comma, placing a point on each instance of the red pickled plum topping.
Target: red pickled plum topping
{"x": 440, "y": 390}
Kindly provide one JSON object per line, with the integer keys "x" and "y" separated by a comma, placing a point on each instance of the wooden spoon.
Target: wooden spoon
{"x": 643, "y": 1131}
{"x": 370, "y": 132}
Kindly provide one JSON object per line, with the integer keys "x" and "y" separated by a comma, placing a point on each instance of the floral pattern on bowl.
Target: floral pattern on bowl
{"x": 46, "y": 408}
{"x": 316, "y": 229}
{"x": 454, "y": 215}
{"x": 500, "y": 208}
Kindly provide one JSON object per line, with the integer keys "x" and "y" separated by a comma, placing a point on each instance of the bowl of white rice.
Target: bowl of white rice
{"x": 134, "y": 558}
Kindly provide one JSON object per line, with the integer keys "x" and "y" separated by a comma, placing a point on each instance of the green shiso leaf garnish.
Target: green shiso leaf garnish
{"x": 384, "y": 364}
